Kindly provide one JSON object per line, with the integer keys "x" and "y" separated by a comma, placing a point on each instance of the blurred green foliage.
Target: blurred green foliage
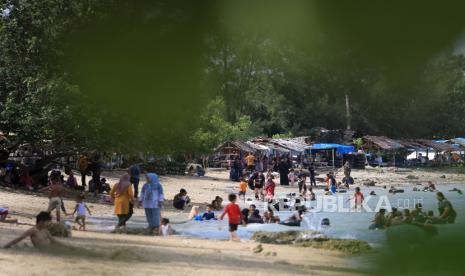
{"x": 182, "y": 76}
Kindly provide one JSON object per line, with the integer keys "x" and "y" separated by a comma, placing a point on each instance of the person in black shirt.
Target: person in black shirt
{"x": 181, "y": 200}
{"x": 311, "y": 169}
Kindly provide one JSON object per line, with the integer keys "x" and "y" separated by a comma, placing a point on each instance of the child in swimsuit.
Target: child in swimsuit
{"x": 165, "y": 228}
{"x": 358, "y": 197}
{"x": 80, "y": 209}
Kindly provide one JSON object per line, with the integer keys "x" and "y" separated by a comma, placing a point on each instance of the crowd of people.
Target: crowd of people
{"x": 446, "y": 214}
{"x": 261, "y": 181}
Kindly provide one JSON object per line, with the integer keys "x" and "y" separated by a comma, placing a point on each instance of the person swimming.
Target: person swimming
{"x": 209, "y": 214}
{"x": 379, "y": 221}
{"x": 255, "y": 217}
{"x": 325, "y": 222}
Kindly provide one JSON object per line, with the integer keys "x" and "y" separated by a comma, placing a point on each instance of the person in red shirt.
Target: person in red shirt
{"x": 358, "y": 197}
{"x": 269, "y": 188}
{"x": 234, "y": 216}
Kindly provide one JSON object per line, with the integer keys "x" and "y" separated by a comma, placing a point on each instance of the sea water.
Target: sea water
{"x": 343, "y": 224}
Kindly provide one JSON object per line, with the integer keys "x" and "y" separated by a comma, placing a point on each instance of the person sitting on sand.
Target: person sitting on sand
{"x": 209, "y": 215}
{"x": 39, "y": 234}
{"x": 105, "y": 186}
{"x": 181, "y": 200}
{"x": 26, "y": 180}
{"x": 165, "y": 228}
{"x": 379, "y": 222}
{"x": 80, "y": 209}
{"x": 4, "y": 216}
{"x": 71, "y": 181}
{"x": 217, "y": 203}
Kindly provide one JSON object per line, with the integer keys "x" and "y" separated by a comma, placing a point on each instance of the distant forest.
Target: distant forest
{"x": 181, "y": 76}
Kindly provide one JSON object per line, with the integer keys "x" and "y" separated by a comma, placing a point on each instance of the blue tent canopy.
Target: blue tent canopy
{"x": 342, "y": 149}
{"x": 440, "y": 141}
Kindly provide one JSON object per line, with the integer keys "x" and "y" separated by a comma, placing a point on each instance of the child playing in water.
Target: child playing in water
{"x": 80, "y": 209}
{"x": 165, "y": 228}
{"x": 234, "y": 216}
{"x": 358, "y": 198}
{"x": 208, "y": 215}
{"x": 39, "y": 234}
{"x": 242, "y": 188}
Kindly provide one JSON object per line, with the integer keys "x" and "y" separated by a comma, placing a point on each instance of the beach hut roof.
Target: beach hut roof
{"x": 460, "y": 141}
{"x": 290, "y": 144}
{"x": 382, "y": 142}
{"x": 237, "y": 144}
{"x": 412, "y": 144}
{"x": 436, "y": 146}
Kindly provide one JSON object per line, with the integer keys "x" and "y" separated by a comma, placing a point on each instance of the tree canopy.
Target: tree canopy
{"x": 183, "y": 76}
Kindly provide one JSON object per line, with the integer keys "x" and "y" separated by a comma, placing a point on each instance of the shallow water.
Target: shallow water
{"x": 345, "y": 224}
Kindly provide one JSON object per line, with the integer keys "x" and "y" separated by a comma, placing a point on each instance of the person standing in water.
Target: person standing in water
{"x": 234, "y": 216}
{"x": 358, "y": 198}
{"x": 123, "y": 197}
{"x": 447, "y": 213}
{"x": 151, "y": 198}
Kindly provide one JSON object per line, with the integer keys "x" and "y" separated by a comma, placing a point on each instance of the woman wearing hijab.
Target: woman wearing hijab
{"x": 123, "y": 197}
{"x": 151, "y": 198}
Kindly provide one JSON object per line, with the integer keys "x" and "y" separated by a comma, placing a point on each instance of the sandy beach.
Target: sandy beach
{"x": 116, "y": 254}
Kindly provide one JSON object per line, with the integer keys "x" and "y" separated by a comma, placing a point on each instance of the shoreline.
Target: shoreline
{"x": 180, "y": 255}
